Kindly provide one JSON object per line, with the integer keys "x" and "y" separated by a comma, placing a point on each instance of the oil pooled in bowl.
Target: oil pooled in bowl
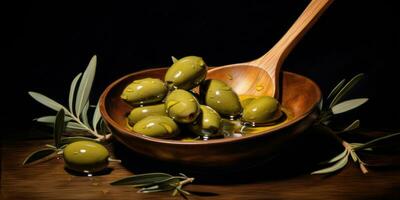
{"x": 234, "y": 127}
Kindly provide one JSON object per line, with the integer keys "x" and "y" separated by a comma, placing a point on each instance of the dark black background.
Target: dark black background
{"x": 47, "y": 44}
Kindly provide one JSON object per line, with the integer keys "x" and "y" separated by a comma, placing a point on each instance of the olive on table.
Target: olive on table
{"x": 86, "y": 156}
{"x": 261, "y": 110}
{"x": 186, "y": 73}
{"x": 157, "y": 126}
{"x": 139, "y": 113}
{"x": 208, "y": 124}
{"x": 144, "y": 91}
{"x": 182, "y": 106}
{"x": 219, "y": 96}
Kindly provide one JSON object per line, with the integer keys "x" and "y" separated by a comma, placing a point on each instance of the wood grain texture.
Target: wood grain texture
{"x": 285, "y": 178}
{"x": 261, "y": 76}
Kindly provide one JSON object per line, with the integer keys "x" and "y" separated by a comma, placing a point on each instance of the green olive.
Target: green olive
{"x": 186, "y": 73}
{"x": 141, "y": 112}
{"x": 144, "y": 91}
{"x": 261, "y": 110}
{"x": 246, "y": 102}
{"x": 208, "y": 123}
{"x": 157, "y": 126}
{"x": 221, "y": 98}
{"x": 86, "y": 156}
{"x": 182, "y": 106}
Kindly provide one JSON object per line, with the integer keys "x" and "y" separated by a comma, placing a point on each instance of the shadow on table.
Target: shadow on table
{"x": 300, "y": 157}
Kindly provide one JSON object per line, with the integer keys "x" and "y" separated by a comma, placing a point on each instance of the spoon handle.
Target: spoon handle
{"x": 272, "y": 60}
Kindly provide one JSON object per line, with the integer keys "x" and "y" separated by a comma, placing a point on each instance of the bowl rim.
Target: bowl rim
{"x": 116, "y": 126}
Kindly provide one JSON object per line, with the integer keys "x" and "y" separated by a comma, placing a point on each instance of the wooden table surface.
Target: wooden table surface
{"x": 287, "y": 177}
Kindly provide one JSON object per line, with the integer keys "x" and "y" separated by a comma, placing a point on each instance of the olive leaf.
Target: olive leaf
{"x": 346, "y": 89}
{"x": 374, "y": 142}
{"x": 182, "y": 192}
{"x": 142, "y": 179}
{"x": 75, "y": 126}
{"x": 96, "y": 116}
{"x": 68, "y": 140}
{"x": 338, "y": 165}
{"x": 165, "y": 185}
{"x": 352, "y": 126}
{"x": 85, "y": 86}
{"x": 336, "y": 89}
{"x": 354, "y": 156}
{"x": 59, "y": 126}
{"x": 40, "y": 156}
{"x": 46, "y": 101}
{"x": 336, "y": 158}
{"x": 51, "y": 119}
{"x": 72, "y": 91}
{"x": 348, "y": 105}
{"x": 174, "y": 60}
{"x": 84, "y": 114}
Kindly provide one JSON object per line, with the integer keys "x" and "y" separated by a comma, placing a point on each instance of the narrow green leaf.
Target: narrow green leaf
{"x": 170, "y": 184}
{"x": 336, "y": 89}
{"x": 104, "y": 130}
{"x": 40, "y": 156}
{"x": 354, "y": 156}
{"x": 51, "y": 119}
{"x": 142, "y": 179}
{"x": 68, "y": 140}
{"x": 352, "y": 126}
{"x": 174, "y": 60}
{"x": 75, "y": 126}
{"x": 375, "y": 141}
{"x": 176, "y": 190}
{"x": 183, "y": 191}
{"x": 338, "y": 157}
{"x": 156, "y": 189}
{"x": 348, "y": 105}
{"x": 50, "y": 146}
{"x": 59, "y": 126}
{"x": 339, "y": 165}
{"x": 355, "y": 145}
{"x": 321, "y": 105}
{"x": 72, "y": 91}
{"x": 85, "y": 86}
{"x": 46, "y": 101}
{"x": 342, "y": 93}
{"x": 96, "y": 117}
{"x": 84, "y": 114}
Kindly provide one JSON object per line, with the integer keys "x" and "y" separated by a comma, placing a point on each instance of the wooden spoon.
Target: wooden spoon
{"x": 261, "y": 76}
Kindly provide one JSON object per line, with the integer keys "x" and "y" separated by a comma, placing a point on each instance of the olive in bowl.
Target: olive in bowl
{"x": 222, "y": 98}
{"x": 186, "y": 73}
{"x": 222, "y": 153}
{"x": 144, "y": 91}
{"x": 157, "y": 126}
{"x": 140, "y": 113}
{"x": 261, "y": 110}
{"x": 182, "y": 106}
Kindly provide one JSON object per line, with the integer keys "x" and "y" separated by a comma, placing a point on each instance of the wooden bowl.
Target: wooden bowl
{"x": 300, "y": 96}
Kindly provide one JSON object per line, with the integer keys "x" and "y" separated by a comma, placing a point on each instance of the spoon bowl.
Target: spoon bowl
{"x": 261, "y": 76}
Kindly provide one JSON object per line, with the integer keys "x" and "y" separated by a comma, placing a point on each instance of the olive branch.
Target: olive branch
{"x": 337, "y": 106}
{"x": 76, "y": 115}
{"x": 157, "y": 182}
